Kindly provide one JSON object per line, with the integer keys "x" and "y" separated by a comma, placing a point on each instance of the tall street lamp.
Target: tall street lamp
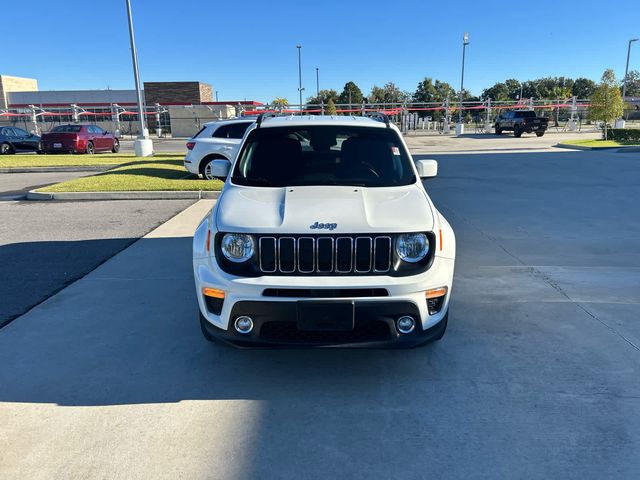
{"x": 465, "y": 42}
{"x": 317, "y": 82}
{"x": 143, "y": 145}
{"x": 300, "y": 89}
{"x": 626, "y": 69}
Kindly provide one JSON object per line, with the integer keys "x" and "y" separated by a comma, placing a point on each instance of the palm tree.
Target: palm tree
{"x": 280, "y": 103}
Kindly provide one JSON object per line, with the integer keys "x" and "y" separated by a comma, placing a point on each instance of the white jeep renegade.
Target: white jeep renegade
{"x": 324, "y": 235}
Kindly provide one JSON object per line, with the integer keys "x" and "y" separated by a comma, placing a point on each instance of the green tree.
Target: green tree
{"x": 351, "y": 94}
{"x": 323, "y": 97}
{"x": 280, "y": 103}
{"x": 606, "y": 100}
{"x": 633, "y": 84}
{"x": 390, "y": 93}
{"x": 330, "y": 108}
{"x": 497, "y": 93}
{"x": 513, "y": 88}
{"x": 583, "y": 88}
{"x": 425, "y": 91}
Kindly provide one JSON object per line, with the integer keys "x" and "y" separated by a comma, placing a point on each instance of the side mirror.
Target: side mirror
{"x": 220, "y": 168}
{"x": 427, "y": 168}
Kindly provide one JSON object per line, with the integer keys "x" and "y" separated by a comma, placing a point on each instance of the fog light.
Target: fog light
{"x": 406, "y": 324}
{"x": 243, "y": 325}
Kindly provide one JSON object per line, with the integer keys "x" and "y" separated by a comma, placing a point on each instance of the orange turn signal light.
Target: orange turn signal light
{"x": 436, "y": 292}
{"x": 213, "y": 292}
{"x": 440, "y": 239}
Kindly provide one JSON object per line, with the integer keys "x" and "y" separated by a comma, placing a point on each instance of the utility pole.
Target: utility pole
{"x": 465, "y": 42}
{"x": 317, "y": 82}
{"x": 143, "y": 145}
{"x": 300, "y": 89}
{"x": 626, "y": 69}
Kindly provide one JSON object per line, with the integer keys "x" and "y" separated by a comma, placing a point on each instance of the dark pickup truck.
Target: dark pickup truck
{"x": 521, "y": 121}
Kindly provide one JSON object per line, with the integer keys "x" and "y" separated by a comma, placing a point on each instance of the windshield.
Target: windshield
{"x": 323, "y": 155}
{"x": 527, "y": 114}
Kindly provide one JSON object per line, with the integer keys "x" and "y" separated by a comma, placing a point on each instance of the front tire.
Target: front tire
{"x": 517, "y": 132}
{"x": 91, "y": 149}
{"x": 6, "y": 149}
{"x": 116, "y": 146}
{"x": 539, "y": 134}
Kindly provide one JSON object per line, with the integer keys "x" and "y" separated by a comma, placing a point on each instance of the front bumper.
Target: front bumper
{"x": 275, "y": 325}
{"x": 249, "y": 296}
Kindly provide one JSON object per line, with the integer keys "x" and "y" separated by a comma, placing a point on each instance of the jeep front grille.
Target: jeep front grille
{"x": 324, "y": 254}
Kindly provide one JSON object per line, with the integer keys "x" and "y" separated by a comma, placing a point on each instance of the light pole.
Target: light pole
{"x": 626, "y": 69}
{"x": 217, "y": 95}
{"x": 465, "y": 42}
{"x": 317, "y": 82}
{"x": 300, "y": 89}
{"x": 143, "y": 145}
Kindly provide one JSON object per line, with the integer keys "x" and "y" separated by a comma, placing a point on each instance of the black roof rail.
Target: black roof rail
{"x": 379, "y": 116}
{"x": 263, "y": 116}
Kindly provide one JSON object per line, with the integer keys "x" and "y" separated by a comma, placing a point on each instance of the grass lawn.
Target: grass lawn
{"x": 141, "y": 175}
{"x": 600, "y": 143}
{"x": 34, "y": 160}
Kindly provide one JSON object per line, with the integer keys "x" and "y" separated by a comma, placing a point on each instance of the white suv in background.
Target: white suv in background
{"x": 215, "y": 140}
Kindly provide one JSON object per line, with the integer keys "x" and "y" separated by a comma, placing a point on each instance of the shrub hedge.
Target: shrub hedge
{"x": 624, "y": 134}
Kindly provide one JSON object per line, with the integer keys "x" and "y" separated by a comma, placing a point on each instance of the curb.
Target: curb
{"x": 154, "y": 195}
{"x": 88, "y": 168}
{"x": 582, "y": 147}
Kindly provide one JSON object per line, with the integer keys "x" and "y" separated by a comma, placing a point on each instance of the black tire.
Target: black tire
{"x": 539, "y": 134}
{"x": 498, "y": 130}
{"x": 91, "y": 149}
{"x": 116, "y": 146}
{"x": 6, "y": 149}
{"x": 517, "y": 132}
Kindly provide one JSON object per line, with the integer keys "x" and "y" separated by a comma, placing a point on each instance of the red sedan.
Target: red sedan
{"x": 74, "y": 138}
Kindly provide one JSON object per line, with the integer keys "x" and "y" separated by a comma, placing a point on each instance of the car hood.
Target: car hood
{"x": 344, "y": 209}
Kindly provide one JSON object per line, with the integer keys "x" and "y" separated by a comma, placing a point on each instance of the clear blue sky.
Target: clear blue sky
{"x": 246, "y": 49}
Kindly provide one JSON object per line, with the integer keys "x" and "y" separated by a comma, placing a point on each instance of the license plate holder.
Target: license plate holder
{"x": 326, "y": 316}
{"x": 57, "y": 145}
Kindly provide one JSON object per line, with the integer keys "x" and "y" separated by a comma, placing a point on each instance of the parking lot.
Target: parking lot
{"x": 537, "y": 376}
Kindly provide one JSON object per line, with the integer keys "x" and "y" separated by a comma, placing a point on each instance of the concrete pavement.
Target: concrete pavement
{"x": 46, "y": 246}
{"x": 537, "y": 376}
{"x": 15, "y": 185}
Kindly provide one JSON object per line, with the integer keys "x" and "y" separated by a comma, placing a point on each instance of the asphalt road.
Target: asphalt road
{"x": 14, "y": 185}
{"x": 44, "y": 246}
{"x": 537, "y": 376}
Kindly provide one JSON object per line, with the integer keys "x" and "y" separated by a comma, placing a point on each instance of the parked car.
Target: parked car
{"x": 520, "y": 121}
{"x": 75, "y": 138}
{"x": 14, "y": 139}
{"x": 215, "y": 140}
{"x": 324, "y": 235}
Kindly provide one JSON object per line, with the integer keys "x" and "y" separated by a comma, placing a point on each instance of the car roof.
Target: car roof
{"x": 324, "y": 120}
{"x": 230, "y": 120}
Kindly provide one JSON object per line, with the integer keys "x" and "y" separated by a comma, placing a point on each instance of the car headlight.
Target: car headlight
{"x": 412, "y": 247}
{"x": 237, "y": 247}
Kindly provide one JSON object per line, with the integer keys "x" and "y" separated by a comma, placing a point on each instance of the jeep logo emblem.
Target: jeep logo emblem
{"x": 323, "y": 226}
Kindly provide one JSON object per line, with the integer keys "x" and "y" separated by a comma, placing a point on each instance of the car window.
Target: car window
{"x": 20, "y": 132}
{"x": 6, "y": 132}
{"x": 67, "y": 129}
{"x": 238, "y": 130}
{"x": 97, "y": 129}
{"x": 199, "y": 132}
{"x": 222, "y": 132}
{"x": 323, "y": 155}
{"x": 91, "y": 129}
